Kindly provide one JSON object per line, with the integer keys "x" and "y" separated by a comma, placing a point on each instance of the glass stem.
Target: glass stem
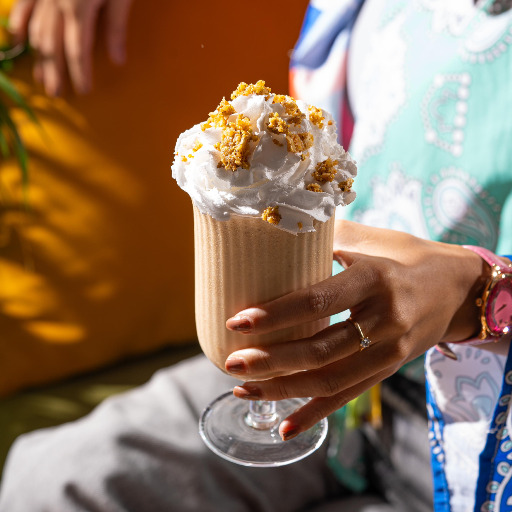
{"x": 262, "y": 415}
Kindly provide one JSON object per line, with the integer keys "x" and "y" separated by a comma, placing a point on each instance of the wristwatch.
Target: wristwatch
{"x": 496, "y": 301}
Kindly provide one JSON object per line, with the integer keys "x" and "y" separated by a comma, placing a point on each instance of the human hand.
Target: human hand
{"x": 62, "y": 32}
{"x": 407, "y": 294}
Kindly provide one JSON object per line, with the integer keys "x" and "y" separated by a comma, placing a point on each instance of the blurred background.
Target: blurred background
{"x": 96, "y": 252}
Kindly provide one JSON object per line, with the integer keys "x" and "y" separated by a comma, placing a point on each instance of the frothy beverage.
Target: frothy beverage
{"x": 265, "y": 174}
{"x": 244, "y": 262}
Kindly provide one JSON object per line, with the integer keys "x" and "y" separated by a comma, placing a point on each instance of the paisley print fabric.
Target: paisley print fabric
{"x": 430, "y": 127}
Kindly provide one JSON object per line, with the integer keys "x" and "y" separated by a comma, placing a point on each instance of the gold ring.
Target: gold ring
{"x": 364, "y": 341}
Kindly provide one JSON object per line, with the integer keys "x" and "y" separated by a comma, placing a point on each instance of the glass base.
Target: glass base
{"x": 225, "y": 429}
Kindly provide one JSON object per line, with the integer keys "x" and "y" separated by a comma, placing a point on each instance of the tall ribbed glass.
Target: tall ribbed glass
{"x": 240, "y": 263}
{"x": 244, "y": 262}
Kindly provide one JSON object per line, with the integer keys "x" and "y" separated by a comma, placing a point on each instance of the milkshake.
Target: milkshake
{"x": 265, "y": 173}
{"x": 244, "y": 262}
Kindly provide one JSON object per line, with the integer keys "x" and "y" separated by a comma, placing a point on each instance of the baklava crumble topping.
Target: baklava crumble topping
{"x": 276, "y": 124}
{"x": 237, "y": 135}
{"x": 316, "y": 116}
{"x": 244, "y": 89}
{"x": 346, "y": 186}
{"x": 325, "y": 170}
{"x": 314, "y": 187}
{"x": 271, "y": 215}
{"x": 234, "y": 146}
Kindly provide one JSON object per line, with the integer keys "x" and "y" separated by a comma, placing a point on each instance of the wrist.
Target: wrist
{"x": 473, "y": 275}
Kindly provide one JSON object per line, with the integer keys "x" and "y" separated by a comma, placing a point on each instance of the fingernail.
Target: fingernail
{"x": 290, "y": 434}
{"x": 247, "y": 392}
{"x": 235, "y": 365}
{"x": 239, "y": 324}
{"x": 444, "y": 349}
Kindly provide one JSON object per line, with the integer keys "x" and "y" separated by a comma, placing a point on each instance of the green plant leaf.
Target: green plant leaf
{"x": 10, "y": 91}
{"x": 18, "y": 147}
{"x": 4, "y": 145}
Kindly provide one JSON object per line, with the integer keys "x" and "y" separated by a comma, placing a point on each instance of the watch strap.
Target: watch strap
{"x": 489, "y": 257}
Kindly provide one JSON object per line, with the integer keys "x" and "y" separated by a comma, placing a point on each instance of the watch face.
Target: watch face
{"x": 499, "y": 307}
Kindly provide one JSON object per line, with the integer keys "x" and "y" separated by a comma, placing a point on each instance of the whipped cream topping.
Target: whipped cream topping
{"x": 261, "y": 153}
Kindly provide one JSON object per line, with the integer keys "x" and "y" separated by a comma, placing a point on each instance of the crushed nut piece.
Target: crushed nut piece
{"x": 280, "y": 98}
{"x": 219, "y": 117}
{"x": 346, "y": 186}
{"x": 244, "y": 89}
{"x": 294, "y": 113}
{"x": 316, "y": 116}
{"x": 197, "y": 146}
{"x": 325, "y": 171}
{"x": 299, "y": 225}
{"x": 277, "y": 143}
{"x": 183, "y": 158}
{"x": 314, "y": 187}
{"x": 271, "y": 215}
{"x": 276, "y": 124}
{"x": 299, "y": 142}
{"x": 234, "y": 147}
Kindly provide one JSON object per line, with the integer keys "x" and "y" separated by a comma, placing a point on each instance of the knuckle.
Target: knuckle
{"x": 401, "y": 317}
{"x": 403, "y": 350}
{"x": 383, "y": 274}
{"x": 395, "y": 353}
{"x": 319, "y": 353}
{"x": 329, "y": 386}
{"x": 264, "y": 362}
{"x": 281, "y": 390}
{"x": 319, "y": 301}
{"x": 401, "y": 321}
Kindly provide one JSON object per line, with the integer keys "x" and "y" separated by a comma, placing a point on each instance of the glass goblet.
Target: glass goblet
{"x": 239, "y": 263}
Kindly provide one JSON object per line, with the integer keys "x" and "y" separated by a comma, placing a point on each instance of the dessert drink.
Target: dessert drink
{"x": 244, "y": 262}
{"x": 265, "y": 174}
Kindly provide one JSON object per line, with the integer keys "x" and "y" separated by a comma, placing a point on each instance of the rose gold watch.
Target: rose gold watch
{"x": 496, "y": 301}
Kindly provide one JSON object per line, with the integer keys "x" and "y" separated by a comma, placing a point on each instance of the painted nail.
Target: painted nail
{"x": 444, "y": 349}
{"x": 235, "y": 365}
{"x": 239, "y": 324}
{"x": 248, "y": 392}
{"x": 290, "y": 434}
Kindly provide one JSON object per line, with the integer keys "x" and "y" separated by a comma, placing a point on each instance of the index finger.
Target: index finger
{"x": 337, "y": 293}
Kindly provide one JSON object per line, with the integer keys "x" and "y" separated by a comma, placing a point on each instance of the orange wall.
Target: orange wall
{"x": 102, "y": 265}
